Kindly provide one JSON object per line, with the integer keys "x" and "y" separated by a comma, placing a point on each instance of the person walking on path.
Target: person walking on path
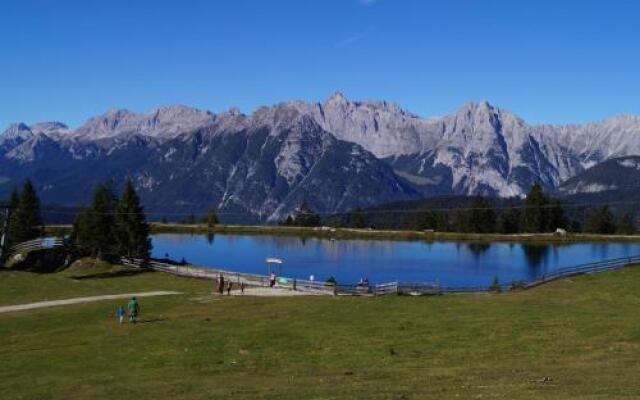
{"x": 229, "y": 285}
{"x": 242, "y": 287}
{"x": 120, "y": 313}
{"x": 220, "y": 284}
{"x": 134, "y": 310}
{"x": 272, "y": 280}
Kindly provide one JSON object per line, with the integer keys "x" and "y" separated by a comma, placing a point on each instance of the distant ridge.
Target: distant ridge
{"x": 335, "y": 155}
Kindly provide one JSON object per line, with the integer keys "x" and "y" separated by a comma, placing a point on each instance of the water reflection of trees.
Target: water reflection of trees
{"x": 477, "y": 249}
{"x": 535, "y": 255}
{"x": 210, "y": 238}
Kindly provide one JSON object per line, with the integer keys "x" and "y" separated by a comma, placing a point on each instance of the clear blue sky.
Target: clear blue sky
{"x": 548, "y": 61}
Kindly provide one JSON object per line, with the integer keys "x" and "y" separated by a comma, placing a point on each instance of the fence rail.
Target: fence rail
{"x": 390, "y": 288}
{"x": 412, "y": 288}
{"x": 46, "y": 243}
{"x": 600, "y": 266}
{"x": 248, "y": 279}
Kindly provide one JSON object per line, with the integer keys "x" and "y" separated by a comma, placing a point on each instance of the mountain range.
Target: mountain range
{"x": 336, "y": 155}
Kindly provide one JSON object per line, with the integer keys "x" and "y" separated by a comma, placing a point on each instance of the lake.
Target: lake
{"x": 447, "y": 263}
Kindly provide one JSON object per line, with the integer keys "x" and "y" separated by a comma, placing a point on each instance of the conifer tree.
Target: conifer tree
{"x": 131, "y": 228}
{"x": 509, "y": 221}
{"x": 356, "y": 219}
{"x": 94, "y": 228}
{"x": 461, "y": 221}
{"x": 26, "y": 222}
{"x": 600, "y": 220}
{"x": 436, "y": 220}
{"x": 556, "y": 217}
{"x": 305, "y": 216}
{"x": 627, "y": 226}
{"x": 14, "y": 227}
{"x": 191, "y": 219}
{"x": 482, "y": 218}
{"x": 29, "y": 212}
{"x": 210, "y": 219}
{"x": 535, "y": 212}
{"x": 287, "y": 222}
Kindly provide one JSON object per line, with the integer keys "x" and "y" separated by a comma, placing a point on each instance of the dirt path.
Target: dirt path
{"x": 81, "y": 300}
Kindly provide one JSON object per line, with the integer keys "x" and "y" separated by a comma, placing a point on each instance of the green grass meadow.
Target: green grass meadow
{"x": 583, "y": 333}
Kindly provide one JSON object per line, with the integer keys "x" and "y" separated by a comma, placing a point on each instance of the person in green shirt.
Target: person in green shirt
{"x": 134, "y": 309}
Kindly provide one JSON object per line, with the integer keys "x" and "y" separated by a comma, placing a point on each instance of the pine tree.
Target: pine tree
{"x": 600, "y": 220}
{"x": 29, "y": 212}
{"x": 461, "y": 221}
{"x": 627, "y": 226}
{"x": 535, "y": 212}
{"x": 94, "y": 228}
{"x": 210, "y": 219}
{"x": 26, "y": 222}
{"x": 14, "y": 226}
{"x": 131, "y": 228}
{"x": 482, "y": 218}
{"x": 356, "y": 219}
{"x": 556, "y": 217}
{"x": 287, "y": 222}
{"x": 305, "y": 216}
{"x": 191, "y": 219}
{"x": 509, "y": 221}
{"x": 427, "y": 221}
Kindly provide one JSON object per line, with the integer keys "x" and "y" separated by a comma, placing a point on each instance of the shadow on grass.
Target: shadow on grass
{"x": 150, "y": 321}
{"x": 109, "y": 275}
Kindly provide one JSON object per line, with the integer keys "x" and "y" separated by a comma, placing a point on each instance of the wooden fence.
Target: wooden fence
{"x": 248, "y": 279}
{"x": 590, "y": 268}
{"x": 47, "y": 243}
{"x": 411, "y": 288}
{"x": 390, "y": 288}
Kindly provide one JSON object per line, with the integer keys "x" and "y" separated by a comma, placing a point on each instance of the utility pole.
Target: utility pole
{"x": 4, "y": 233}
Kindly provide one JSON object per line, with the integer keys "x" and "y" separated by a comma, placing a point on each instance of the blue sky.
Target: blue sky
{"x": 548, "y": 61}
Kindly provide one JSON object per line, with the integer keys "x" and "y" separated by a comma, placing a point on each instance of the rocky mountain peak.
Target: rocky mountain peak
{"x": 15, "y": 134}
{"x": 16, "y": 129}
{"x": 49, "y": 128}
{"x": 337, "y": 98}
{"x": 475, "y": 109}
{"x": 479, "y": 148}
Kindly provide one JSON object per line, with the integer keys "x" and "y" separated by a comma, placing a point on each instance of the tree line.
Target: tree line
{"x": 109, "y": 227}
{"x": 537, "y": 213}
{"x": 25, "y": 220}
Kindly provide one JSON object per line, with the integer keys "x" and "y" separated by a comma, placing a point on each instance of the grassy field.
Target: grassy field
{"x": 350, "y": 233}
{"x": 582, "y": 333}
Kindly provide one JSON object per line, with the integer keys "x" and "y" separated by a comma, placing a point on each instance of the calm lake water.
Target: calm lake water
{"x": 449, "y": 263}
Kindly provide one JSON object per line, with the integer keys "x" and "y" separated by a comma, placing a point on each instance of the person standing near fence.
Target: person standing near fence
{"x": 229, "y": 286}
{"x": 272, "y": 280}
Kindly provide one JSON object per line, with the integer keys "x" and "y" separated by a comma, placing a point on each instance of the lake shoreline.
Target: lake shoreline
{"x": 372, "y": 234}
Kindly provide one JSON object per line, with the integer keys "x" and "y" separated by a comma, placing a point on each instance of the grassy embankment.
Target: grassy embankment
{"x": 583, "y": 333}
{"x": 349, "y": 233}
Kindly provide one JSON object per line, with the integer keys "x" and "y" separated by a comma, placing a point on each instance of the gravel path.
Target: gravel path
{"x": 81, "y": 300}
